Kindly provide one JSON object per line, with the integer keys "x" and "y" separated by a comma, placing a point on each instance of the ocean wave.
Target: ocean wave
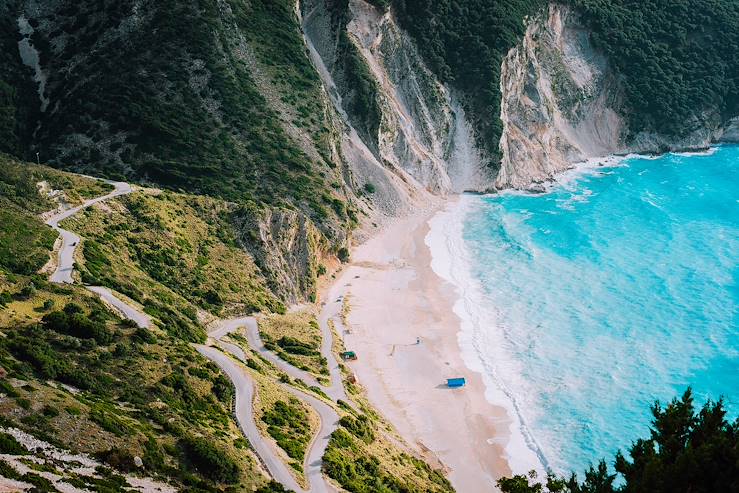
{"x": 451, "y": 261}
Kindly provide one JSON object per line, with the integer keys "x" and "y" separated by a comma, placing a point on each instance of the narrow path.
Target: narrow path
{"x": 65, "y": 261}
{"x": 245, "y": 417}
{"x": 141, "y": 319}
{"x": 65, "y": 266}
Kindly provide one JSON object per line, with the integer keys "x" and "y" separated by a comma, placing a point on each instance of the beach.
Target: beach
{"x": 405, "y": 332}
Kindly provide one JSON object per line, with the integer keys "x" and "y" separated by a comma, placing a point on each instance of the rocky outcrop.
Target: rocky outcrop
{"x": 286, "y": 247}
{"x": 562, "y": 104}
{"x": 423, "y": 135}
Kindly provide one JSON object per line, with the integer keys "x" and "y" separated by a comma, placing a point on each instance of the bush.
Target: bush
{"x": 9, "y": 445}
{"x": 288, "y": 425}
{"x": 359, "y": 427}
{"x": 343, "y": 254}
{"x": 210, "y": 461}
{"x": 73, "y": 322}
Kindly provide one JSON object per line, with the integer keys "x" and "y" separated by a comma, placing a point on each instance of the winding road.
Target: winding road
{"x": 65, "y": 259}
{"x": 243, "y": 383}
{"x": 65, "y": 266}
{"x": 328, "y": 416}
{"x": 245, "y": 417}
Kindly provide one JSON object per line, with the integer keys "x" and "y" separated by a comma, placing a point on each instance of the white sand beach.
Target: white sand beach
{"x": 395, "y": 298}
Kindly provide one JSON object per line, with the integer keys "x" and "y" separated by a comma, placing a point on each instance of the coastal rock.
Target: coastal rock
{"x": 563, "y": 103}
{"x": 560, "y": 102}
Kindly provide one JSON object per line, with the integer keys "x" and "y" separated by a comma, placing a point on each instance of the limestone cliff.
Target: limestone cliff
{"x": 562, "y": 103}
{"x": 421, "y": 135}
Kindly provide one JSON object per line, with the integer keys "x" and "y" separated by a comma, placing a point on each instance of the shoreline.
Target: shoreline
{"x": 395, "y": 298}
{"x": 411, "y": 279}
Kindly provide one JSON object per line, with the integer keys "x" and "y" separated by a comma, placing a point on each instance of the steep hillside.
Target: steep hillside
{"x": 216, "y": 98}
{"x": 76, "y": 375}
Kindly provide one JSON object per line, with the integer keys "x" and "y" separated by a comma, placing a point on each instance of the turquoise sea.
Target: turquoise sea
{"x": 617, "y": 288}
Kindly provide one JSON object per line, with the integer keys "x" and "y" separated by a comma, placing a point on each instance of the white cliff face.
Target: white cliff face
{"x": 562, "y": 104}
{"x": 423, "y": 138}
{"x": 559, "y": 102}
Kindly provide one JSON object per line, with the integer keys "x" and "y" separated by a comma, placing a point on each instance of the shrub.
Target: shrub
{"x": 73, "y": 322}
{"x": 9, "y": 445}
{"x": 210, "y": 461}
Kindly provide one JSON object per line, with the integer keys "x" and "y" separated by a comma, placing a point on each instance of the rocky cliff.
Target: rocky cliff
{"x": 562, "y": 103}
{"x": 420, "y": 132}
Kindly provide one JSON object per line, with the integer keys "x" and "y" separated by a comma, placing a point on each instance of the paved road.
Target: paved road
{"x": 335, "y": 390}
{"x": 63, "y": 272}
{"x": 313, "y": 463}
{"x": 141, "y": 319}
{"x": 245, "y": 417}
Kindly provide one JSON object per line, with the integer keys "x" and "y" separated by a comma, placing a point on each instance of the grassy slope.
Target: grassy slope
{"x": 296, "y": 338}
{"x": 141, "y": 393}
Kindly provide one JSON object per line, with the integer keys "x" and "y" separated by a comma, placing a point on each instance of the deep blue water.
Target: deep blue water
{"x": 612, "y": 291}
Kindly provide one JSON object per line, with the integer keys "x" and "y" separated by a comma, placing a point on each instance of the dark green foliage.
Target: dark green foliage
{"x": 288, "y": 425}
{"x": 347, "y": 461}
{"x": 210, "y": 461}
{"x": 343, "y": 254}
{"x": 74, "y": 323}
{"x": 8, "y": 137}
{"x": 223, "y": 389}
{"x": 294, "y": 346}
{"x": 464, "y": 43}
{"x": 688, "y": 451}
{"x": 236, "y": 148}
{"x": 360, "y": 427}
{"x": 9, "y": 445}
{"x": 676, "y": 59}
{"x": 25, "y": 242}
{"x": 272, "y": 487}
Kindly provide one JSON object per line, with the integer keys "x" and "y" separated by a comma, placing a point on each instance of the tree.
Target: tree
{"x": 686, "y": 452}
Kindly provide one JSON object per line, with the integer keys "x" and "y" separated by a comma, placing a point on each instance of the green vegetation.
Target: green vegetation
{"x": 211, "y": 461}
{"x": 687, "y": 451}
{"x": 74, "y": 322}
{"x": 174, "y": 254}
{"x": 9, "y": 445}
{"x": 24, "y": 241}
{"x": 193, "y": 113}
{"x": 360, "y": 462}
{"x": 99, "y": 385}
{"x": 122, "y": 406}
{"x": 296, "y": 338}
{"x": 676, "y": 59}
{"x": 464, "y": 43}
{"x": 288, "y": 424}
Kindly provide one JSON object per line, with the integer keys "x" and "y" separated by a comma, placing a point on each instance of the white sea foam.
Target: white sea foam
{"x": 450, "y": 260}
